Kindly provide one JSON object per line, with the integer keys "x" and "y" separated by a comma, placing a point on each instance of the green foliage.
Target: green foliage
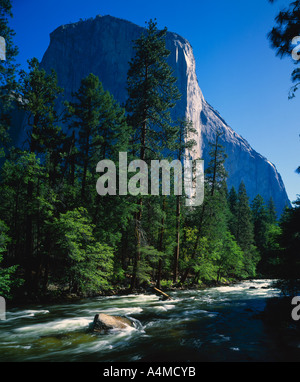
{"x": 8, "y": 83}
{"x": 8, "y": 279}
{"x": 86, "y": 265}
{"x": 204, "y": 264}
{"x": 148, "y": 262}
{"x": 152, "y": 92}
{"x": 260, "y": 220}
{"x": 17, "y": 173}
{"x": 216, "y": 174}
{"x": 282, "y": 34}
{"x": 229, "y": 258}
{"x": 244, "y": 229}
{"x": 290, "y": 241}
{"x": 40, "y": 90}
{"x": 271, "y": 212}
{"x": 57, "y": 233}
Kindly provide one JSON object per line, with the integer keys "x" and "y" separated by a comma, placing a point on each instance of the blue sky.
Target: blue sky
{"x": 238, "y": 72}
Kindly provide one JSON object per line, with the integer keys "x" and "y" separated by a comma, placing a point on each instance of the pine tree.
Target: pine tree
{"x": 271, "y": 212}
{"x": 38, "y": 93}
{"x": 214, "y": 208}
{"x": 290, "y": 242}
{"x": 232, "y": 204}
{"x": 25, "y": 201}
{"x": 99, "y": 132}
{"x": 210, "y": 219}
{"x": 260, "y": 222}
{"x": 151, "y": 92}
{"x": 229, "y": 260}
{"x": 99, "y": 124}
{"x": 245, "y": 231}
{"x": 216, "y": 174}
{"x": 267, "y": 232}
{"x": 8, "y": 278}
{"x": 282, "y": 35}
{"x": 184, "y": 145}
{"x": 85, "y": 115}
{"x": 83, "y": 263}
{"x": 244, "y": 236}
{"x": 8, "y": 67}
{"x": 232, "y": 199}
{"x": 151, "y": 95}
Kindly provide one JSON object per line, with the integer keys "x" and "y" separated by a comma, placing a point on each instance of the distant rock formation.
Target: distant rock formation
{"x": 104, "y": 46}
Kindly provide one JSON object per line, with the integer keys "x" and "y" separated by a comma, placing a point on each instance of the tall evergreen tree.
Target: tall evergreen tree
{"x": 290, "y": 242}
{"x": 85, "y": 118}
{"x": 232, "y": 204}
{"x": 244, "y": 236}
{"x": 8, "y": 278}
{"x": 151, "y": 95}
{"x": 232, "y": 199}
{"x": 282, "y": 35}
{"x": 8, "y": 82}
{"x": 260, "y": 222}
{"x": 152, "y": 92}
{"x": 38, "y": 93}
{"x": 245, "y": 231}
{"x": 184, "y": 145}
{"x": 210, "y": 218}
{"x": 216, "y": 174}
{"x": 271, "y": 212}
{"x": 100, "y": 132}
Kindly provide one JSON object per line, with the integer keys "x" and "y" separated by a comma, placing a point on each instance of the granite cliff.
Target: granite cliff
{"x": 104, "y": 46}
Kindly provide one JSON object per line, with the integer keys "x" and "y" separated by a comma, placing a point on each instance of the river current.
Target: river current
{"x": 216, "y": 324}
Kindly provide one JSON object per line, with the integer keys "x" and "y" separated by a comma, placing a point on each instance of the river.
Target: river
{"x": 216, "y": 324}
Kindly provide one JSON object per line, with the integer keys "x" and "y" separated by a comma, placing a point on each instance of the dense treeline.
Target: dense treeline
{"x": 58, "y": 235}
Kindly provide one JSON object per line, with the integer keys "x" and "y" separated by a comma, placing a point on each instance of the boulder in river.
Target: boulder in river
{"x": 103, "y": 322}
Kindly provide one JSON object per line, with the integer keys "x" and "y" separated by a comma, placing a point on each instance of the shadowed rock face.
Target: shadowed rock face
{"x": 104, "y": 46}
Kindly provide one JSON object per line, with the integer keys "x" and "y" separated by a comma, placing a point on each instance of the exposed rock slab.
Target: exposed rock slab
{"x": 103, "y": 322}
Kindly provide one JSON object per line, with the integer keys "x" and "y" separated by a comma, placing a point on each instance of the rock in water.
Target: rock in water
{"x": 103, "y": 322}
{"x": 104, "y": 46}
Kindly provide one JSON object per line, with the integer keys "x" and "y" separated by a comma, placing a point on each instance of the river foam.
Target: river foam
{"x": 211, "y": 324}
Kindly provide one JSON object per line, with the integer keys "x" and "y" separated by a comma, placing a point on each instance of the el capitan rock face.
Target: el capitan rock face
{"x": 104, "y": 46}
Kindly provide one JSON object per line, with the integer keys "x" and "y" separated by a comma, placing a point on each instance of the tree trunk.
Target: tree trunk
{"x": 186, "y": 273}
{"x": 29, "y": 218}
{"x": 177, "y": 248}
{"x": 163, "y": 294}
{"x": 139, "y": 213}
{"x": 138, "y": 246}
{"x": 160, "y": 245}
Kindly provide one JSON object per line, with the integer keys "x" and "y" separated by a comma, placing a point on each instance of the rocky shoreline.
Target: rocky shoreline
{"x": 57, "y": 296}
